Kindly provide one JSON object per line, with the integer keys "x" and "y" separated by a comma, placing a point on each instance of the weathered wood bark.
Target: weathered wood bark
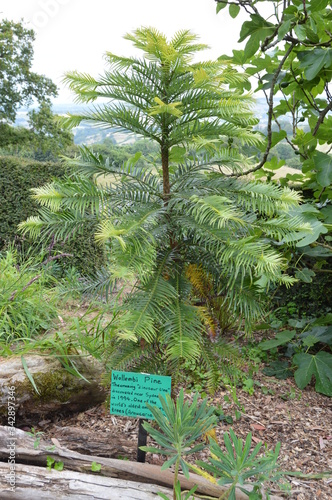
{"x": 90, "y": 443}
{"x": 36, "y": 483}
{"x": 125, "y": 470}
{"x": 59, "y": 390}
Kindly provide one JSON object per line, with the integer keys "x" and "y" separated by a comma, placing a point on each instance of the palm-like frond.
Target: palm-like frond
{"x": 159, "y": 221}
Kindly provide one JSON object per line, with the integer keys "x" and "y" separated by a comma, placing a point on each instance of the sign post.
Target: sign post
{"x": 129, "y": 394}
{"x": 142, "y": 437}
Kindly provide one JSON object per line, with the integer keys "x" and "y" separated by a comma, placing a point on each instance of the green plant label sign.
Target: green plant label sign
{"x": 130, "y": 391}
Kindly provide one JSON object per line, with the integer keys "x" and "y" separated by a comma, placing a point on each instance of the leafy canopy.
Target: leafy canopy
{"x": 18, "y": 84}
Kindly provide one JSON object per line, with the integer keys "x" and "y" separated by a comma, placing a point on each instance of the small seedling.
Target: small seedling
{"x": 52, "y": 463}
{"x": 37, "y": 435}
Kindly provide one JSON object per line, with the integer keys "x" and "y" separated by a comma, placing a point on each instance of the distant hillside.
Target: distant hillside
{"x": 88, "y": 134}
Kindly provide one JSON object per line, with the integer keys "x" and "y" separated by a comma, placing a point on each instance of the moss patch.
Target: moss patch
{"x": 52, "y": 386}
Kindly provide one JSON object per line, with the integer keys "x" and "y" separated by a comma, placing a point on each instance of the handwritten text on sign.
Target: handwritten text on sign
{"x": 130, "y": 391}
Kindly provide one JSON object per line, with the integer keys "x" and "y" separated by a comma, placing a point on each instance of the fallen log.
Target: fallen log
{"x": 36, "y": 483}
{"x": 120, "y": 469}
{"x": 89, "y": 442}
{"x": 59, "y": 390}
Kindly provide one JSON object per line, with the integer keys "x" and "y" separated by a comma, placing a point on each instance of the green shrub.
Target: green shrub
{"x": 26, "y": 303}
{"x": 17, "y": 177}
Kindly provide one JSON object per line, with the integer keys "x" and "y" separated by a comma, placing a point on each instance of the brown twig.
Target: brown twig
{"x": 13, "y": 295}
{"x": 321, "y": 117}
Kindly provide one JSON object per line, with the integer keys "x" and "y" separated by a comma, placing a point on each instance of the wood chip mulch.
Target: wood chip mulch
{"x": 300, "y": 420}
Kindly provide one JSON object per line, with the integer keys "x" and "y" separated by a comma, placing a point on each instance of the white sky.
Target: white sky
{"x": 75, "y": 34}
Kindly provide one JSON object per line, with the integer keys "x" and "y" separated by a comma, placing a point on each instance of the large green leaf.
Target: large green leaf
{"x": 280, "y": 339}
{"x": 305, "y": 275}
{"x": 317, "y": 5}
{"x": 318, "y": 366}
{"x": 221, "y": 5}
{"x": 323, "y": 164}
{"x": 300, "y": 31}
{"x": 327, "y": 213}
{"x": 317, "y": 229}
{"x": 278, "y": 369}
{"x": 319, "y": 333}
{"x": 317, "y": 251}
{"x": 234, "y": 10}
{"x": 284, "y": 28}
{"x": 257, "y": 29}
{"x": 312, "y": 61}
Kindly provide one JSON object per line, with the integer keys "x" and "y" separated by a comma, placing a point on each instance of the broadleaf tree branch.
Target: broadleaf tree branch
{"x": 270, "y": 116}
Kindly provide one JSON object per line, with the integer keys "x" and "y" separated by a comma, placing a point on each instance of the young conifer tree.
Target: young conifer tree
{"x": 193, "y": 242}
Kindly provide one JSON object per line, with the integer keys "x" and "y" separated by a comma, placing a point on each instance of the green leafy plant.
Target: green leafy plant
{"x": 180, "y": 426}
{"x": 248, "y": 386}
{"x": 37, "y": 435}
{"x": 310, "y": 353}
{"x": 288, "y": 53}
{"x": 27, "y": 303}
{"x": 179, "y": 494}
{"x": 51, "y": 463}
{"x": 187, "y": 209}
{"x": 238, "y": 464}
{"x": 220, "y": 414}
{"x": 95, "y": 467}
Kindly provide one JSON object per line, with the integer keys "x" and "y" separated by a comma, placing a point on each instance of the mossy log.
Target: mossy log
{"x": 123, "y": 470}
{"x": 58, "y": 390}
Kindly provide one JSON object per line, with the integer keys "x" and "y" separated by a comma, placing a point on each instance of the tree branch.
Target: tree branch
{"x": 321, "y": 117}
{"x": 270, "y": 115}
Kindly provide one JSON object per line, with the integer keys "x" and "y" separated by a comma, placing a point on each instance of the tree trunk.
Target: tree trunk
{"x": 164, "y": 163}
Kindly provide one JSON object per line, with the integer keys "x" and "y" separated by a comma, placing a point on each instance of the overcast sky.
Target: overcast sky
{"x": 75, "y": 34}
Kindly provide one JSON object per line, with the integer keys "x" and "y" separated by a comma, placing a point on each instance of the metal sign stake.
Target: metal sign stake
{"x": 142, "y": 438}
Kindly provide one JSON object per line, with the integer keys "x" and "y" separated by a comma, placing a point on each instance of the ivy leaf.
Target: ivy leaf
{"x": 281, "y": 338}
{"x": 305, "y": 275}
{"x": 319, "y": 366}
{"x": 234, "y": 10}
{"x": 323, "y": 164}
{"x": 314, "y": 60}
{"x": 177, "y": 154}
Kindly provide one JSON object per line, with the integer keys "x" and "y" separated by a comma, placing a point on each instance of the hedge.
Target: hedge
{"x": 17, "y": 177}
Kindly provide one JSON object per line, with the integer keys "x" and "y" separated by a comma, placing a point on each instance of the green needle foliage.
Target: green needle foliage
{"x": 184, "y": 210}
